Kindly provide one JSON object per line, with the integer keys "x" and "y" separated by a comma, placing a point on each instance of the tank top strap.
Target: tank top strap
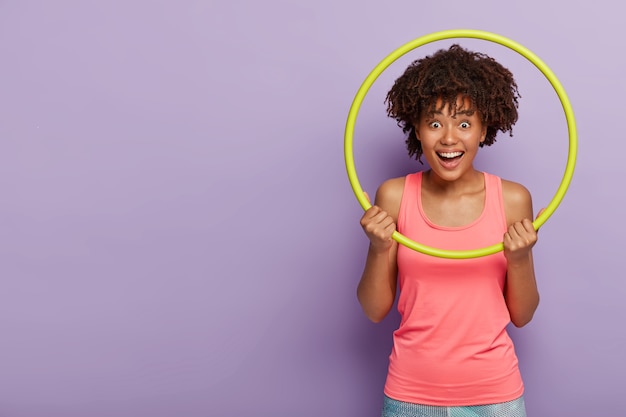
{"x": 409, "y": 205}
{"x": 494, "y": 202}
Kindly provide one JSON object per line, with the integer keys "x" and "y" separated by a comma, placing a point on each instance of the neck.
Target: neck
{"x": 471, "y": 181}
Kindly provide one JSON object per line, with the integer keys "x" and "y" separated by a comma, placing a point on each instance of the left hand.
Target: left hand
{"x": 519, "y": 240}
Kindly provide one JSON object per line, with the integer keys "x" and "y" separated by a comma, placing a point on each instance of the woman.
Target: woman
{"x": 451, "y": 352}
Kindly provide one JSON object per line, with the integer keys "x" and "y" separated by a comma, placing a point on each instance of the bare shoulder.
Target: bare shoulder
{"x": 389, "y": 196}
{"x": 517, "y": 201}
{"x": 515, "y": 193}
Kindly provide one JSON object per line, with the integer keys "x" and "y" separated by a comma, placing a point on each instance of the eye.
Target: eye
{"x": 465, "y": 125}
{"x": 435, "y": 124}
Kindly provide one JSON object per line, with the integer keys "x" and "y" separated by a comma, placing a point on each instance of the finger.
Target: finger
{"x": 540, "y": 211}
{"x": 382, "y": 219}
{"x": 374, "y": 216}
{"x": 528, "y": 226}
{"x": 523, "y": 228}
{"x": 367, "y": 196}
{"x": 381, "y": 230}
{"x": 522, "y": 234}
{"x": 386, "y": 221}
{"x": 387, "y": 227}
{"x": 372, "y": 212}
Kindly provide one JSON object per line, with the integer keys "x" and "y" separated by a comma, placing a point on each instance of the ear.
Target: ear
{"x": 415, "y": 132}
{"x": 483, "y": 134}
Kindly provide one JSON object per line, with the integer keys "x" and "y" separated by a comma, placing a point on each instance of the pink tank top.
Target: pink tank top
{"x": 451, "y": 347}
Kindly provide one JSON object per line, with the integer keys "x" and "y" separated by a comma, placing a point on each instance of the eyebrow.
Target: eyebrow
{"x": 461, "y": 112}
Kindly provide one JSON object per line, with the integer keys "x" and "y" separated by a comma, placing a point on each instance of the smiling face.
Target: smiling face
{"x": 450, "y": 138}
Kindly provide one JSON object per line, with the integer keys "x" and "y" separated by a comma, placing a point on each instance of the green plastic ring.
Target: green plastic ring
{"x": 448, "y": 34}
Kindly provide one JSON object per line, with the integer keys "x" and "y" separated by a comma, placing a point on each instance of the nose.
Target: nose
{"x": 448, "y": 137}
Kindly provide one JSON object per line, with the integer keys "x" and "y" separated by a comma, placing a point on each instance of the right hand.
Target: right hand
{"x": 378, "y": 225}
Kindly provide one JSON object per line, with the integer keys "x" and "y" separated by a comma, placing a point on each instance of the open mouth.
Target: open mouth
{"x": 449, "y": 156}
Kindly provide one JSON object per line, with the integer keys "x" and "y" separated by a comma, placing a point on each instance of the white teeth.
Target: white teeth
{"x": 450, "y": 154}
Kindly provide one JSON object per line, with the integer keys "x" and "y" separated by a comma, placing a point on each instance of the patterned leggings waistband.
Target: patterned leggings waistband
{"x": 395, "y": 408}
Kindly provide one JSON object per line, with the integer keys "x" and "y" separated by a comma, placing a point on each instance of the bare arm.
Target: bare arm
{"x": 377, "y": 289}
{"x": 521, "y": 293}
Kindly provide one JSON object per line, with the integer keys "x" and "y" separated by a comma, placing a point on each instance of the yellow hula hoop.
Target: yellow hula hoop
{"x": 448, "y": 34}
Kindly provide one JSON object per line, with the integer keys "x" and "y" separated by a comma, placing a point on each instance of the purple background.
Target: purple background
{"x": 178, "y": 234}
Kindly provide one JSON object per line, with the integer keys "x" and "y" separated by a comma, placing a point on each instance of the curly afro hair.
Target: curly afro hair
{"x": 445, "y": 75}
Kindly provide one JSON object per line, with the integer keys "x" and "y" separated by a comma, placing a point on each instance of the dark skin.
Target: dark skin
{"x": 453, "y": 195}
{"x": 438, "y": 79}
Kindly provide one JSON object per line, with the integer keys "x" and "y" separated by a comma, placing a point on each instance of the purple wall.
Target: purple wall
{"x": 178, "y": 236}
